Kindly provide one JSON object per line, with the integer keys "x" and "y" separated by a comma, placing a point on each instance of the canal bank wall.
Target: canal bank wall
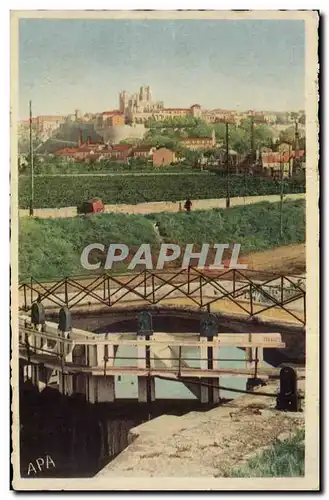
{"x": 206, "y": 443}
{"x": 80, "y": 438}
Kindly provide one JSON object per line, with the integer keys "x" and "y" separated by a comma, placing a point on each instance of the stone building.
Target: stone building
{"x": 163, "y": 156}
{"x": 199, "y": 142}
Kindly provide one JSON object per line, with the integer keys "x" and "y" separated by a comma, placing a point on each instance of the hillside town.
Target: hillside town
{"x": 144, "y": 131}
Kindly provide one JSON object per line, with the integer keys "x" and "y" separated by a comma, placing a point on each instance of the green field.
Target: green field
{"x": 74, "y": 168}
{"x": 283, "y": 459}
{"x": 56, "y": 192}
{"x": 51, "y": 248}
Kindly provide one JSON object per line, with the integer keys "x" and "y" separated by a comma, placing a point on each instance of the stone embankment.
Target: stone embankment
{"x": 206, "y": 443}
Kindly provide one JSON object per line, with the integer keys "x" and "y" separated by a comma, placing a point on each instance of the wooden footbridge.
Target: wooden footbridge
{"x": 246, "y": 293}
{"x": 80, "y": 362}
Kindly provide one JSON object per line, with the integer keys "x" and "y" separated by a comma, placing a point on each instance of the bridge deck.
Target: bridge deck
{"x": 225, "y": 306}
{"x": 72, "y": 368}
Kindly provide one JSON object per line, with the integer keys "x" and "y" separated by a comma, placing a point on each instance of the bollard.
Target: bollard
{"x": 145, "y": 323}
{"x": 208, "y": 325}
{"x": 38, "y": 316}
{"x": 288, "y": 399}
{"x": 65, "y": 329}
{"x": 64, "y": 320}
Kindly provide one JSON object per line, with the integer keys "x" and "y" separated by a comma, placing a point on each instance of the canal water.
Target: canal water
{"x": 126, "y": 386}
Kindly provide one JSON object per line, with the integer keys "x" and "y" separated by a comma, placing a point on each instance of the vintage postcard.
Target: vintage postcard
{"x": 164, "y": 250}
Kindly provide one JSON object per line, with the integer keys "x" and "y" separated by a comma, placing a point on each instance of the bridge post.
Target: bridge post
{"x": 204, "y": 390}
{"x": 38, "y": 319}
{"x": 105, "y": 384}
{"x": 64, "y": 331}
{"x": 146, "y": 384}
{"x": 216, "y": 392}
{"x": 27, "y": 370}
{"x": 253, "y": 353}
{"x": 35, "y": 375}
{"x": 208, "y": 329}
{"x": 100, "y": 389}
{"x": 91, "y": 382}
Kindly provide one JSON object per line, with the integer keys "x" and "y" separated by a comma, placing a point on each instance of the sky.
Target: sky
{"x": 83, "y": 64}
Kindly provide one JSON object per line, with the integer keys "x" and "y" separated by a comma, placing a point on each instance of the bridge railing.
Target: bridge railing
{"x": 249, "y": 292}
{"x": 70, "y": 354}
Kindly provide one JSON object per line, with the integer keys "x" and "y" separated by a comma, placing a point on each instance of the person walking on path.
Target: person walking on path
{"x": 188, "y": 205}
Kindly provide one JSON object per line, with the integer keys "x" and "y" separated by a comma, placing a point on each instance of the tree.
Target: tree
{"x": 132, "y": 140}
{"x": 24, "y": 165}
{"x": 209, "y": 153}
{"x": 280, "y": 120}
{"x": 162, "y": 141}
{"x": 193, "y": 157}
{"x": 284, "y": 147}
{"x": 263, "y": 136}
{"x": 201, "y": 130}
{"x": 287, "y": 136}
{"x": 219, "y": 131}
{"x": 138, "y": 162}
{"x": 293, "y": 116}
{"x": 239, "y": 140}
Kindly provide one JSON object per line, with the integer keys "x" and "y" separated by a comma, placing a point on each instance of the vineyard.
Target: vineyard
{"x": 51, "y": 248}
{"x": 56, "y": 192}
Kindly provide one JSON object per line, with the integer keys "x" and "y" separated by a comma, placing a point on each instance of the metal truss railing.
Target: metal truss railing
{"x": 252, "y": 292}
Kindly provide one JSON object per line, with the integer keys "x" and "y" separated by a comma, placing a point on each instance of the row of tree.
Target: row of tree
{"x": 170, "y": 134}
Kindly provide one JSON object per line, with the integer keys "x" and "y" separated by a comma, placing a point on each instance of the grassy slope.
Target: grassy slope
{"x": 51, "y": 248}
{"x": 282, "y": 459}
{"x": 255, "y": 227}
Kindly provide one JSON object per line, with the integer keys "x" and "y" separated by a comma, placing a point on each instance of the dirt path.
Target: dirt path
{"x": 288, "y": 259}
{"x": 160, "y": 206}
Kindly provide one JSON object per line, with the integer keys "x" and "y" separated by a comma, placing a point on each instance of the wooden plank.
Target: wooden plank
{"x": 53, "y": 363}
{"x": 264, "y": 340}
{"x": 126, "y": 370}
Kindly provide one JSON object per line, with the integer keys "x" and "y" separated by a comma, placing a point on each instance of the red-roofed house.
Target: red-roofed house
{"x": 80, "y": 153}
{"x": 120, "y": 152}
{"x": 273, "y": 162}
{"x": 66, "y": 152}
